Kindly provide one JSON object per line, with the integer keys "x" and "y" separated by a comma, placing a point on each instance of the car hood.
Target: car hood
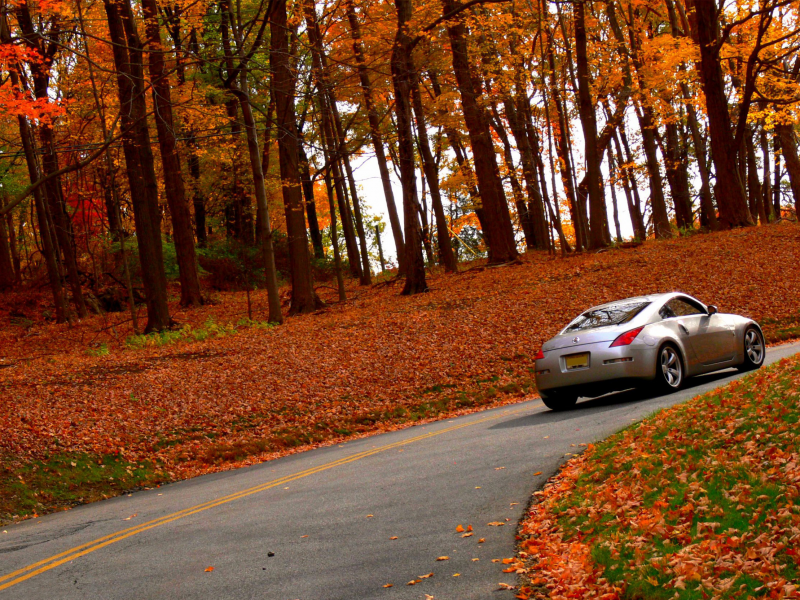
{"x": 588, "y": 336}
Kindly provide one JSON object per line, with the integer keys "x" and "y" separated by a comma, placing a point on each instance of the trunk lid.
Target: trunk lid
{"x": 576, "y": 339}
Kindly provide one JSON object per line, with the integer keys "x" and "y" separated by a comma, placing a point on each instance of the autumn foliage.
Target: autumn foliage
{"x": 377, "y": 361}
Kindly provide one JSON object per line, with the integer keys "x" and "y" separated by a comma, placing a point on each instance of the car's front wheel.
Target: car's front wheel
{"x": 558, "y": 400}
{"x": 669, "y": 369}
{"x": 753, "y": 350}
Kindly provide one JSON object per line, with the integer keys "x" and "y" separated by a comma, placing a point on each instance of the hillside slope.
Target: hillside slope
{"x": 378, "y": 361}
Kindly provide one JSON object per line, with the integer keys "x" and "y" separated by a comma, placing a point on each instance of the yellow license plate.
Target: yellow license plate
{"x": 577, "y": 361}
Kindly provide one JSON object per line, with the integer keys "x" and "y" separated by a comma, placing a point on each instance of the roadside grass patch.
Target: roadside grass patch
{"x": 210, "y": 330}
{"x": 67, "y": 479}
{"x": 701, "y": 500}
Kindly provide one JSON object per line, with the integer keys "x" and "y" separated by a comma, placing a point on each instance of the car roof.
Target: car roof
{"x": 648, "y": 298}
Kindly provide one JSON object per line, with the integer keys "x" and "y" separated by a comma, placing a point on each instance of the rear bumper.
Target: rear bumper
{"x": 601, "y": 376}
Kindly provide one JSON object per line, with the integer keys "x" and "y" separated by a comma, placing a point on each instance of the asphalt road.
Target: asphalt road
{"x": 328, "y": 516}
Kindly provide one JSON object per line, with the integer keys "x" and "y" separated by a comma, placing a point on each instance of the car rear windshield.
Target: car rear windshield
{"x": 613, "y": 314}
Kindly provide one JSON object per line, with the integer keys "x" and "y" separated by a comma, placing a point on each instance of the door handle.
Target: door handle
{"x": 683, "y": 328}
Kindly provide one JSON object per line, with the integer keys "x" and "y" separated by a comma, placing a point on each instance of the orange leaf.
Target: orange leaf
{"x": 209, "y": 569}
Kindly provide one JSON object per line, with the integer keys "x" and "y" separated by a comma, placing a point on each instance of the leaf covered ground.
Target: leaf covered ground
{"x": 673, "y": 508}
{"x": 242, "y": 392}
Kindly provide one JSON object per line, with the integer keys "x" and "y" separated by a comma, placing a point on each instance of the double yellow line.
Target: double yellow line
{"x": 20, "y": 575}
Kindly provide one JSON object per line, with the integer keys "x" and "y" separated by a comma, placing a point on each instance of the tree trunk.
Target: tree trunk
{"x": 661, "y": 226}
{"x": 446, "y": 256}
{"x": 198, "y": 199}
{"x": 337, "y": 259}
{"x": 729, "y": 189}
{"x": 375, "y": 134}
{"x": 311, "y": 205}
{"x": 789, "y": 147}
{"x": 754, "y": 191}
{"x": 128, "y": 50}
{"x": 498, "y": 231}
{"x": 171, "y": 162}
{"x": 7, "y": 276}
{"x": 283, "y": 86}
{"x": 402, "y": 77}
{"x": 677, "y": 176}
{"x": 597, "y": 201}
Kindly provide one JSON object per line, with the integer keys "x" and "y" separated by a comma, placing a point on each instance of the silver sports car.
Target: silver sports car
{"x": 661, "y": 339}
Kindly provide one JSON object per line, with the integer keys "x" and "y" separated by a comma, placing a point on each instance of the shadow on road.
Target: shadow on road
{"x": 608, "y": 402}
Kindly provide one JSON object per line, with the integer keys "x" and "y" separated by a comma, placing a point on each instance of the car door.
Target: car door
{"x": 710, "y": 336}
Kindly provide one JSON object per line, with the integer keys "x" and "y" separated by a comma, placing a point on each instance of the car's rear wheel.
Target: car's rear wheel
{"x": 753, "y": 350}
{"x": 558, "y": 400}
{"x": 669, "y": 369}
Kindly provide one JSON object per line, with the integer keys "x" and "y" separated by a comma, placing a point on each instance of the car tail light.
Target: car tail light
{"x": 626, "y": 338}
{"x": 539, "y": 355}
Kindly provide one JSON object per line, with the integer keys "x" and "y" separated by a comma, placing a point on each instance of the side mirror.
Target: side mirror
{"x": 712, "y": 310}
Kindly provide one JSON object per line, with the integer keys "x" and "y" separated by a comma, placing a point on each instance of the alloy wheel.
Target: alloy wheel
{"x": 754, "y": 346}
{"x": 671, "y": 367}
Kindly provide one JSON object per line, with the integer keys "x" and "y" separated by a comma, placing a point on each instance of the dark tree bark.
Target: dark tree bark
{"x": 311, "y": 205}
{"x": 754, "y": 192}
{"x": 597, "y": 201}
{"x": 402, "y": 78}
{"x": 128, "y": 50}
{"x": 304, "y": 300}
{"x": 631, "y": 193}
{"x": 678, "y": 177}
{"x": 789, "y": 147}
{"x": 446, "y": 256}
{"x": 236, "y": 83}
{"x": 375, "y": 133}
{"x": 496, "y": 220}
{"x": 7, "y": 275}
{"x": 766, "y": 186}
{"x": 46, "y": 45}
{"x": 729, "y": 189}
{"x": 171, "y": 162}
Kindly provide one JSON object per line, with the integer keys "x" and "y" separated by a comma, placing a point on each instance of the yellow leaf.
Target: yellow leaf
{"x": 468, "y": 534}
{"x": 496, "y": 524}
{"x": 426, "y": 576}
{"x": 456, "y": 574}
{"x": 443, "y": 558}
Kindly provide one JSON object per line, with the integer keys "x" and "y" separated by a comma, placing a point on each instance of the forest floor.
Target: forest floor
{"x": 89, "y": 404}
{"x": 672, "y": 508}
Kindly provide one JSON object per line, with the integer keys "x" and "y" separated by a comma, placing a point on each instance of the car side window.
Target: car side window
{"x": 683, "y": 307}
{"x": 666, "y": 312}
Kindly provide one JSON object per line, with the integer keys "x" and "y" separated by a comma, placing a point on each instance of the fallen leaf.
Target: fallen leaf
{"x": 496, "y": 524}
{"x": 387, "y": 585}
{"x": 426, "y": 576}
{"x": 480, "y": 541}
{"x": 303, "y": 536}
{"x": 459, "y": 529}
{"x": 475, "y": 559}
{"x": 469, "y": 527}
{"x": 129, "y": 518}
{"x": 414, "y": 582}
{"x": 468, "y": 534}
{"x": 394, "y": 537}
{"x": 209, "y": 569}
{"x": 537, "y": 473}
{"x": 443, "y": 558}
{"x": 508, "y": 561}
{"x": 368, "y": 516}
{"x": 505, "y": 586}
{"x": 456, "y": 574}
{"x": 499, "y": 468}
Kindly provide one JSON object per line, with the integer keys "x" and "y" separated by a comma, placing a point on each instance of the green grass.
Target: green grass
{"x": 67, "y": 479}
{"x": 699, "y": 481}
{"x": 210, "y": 330}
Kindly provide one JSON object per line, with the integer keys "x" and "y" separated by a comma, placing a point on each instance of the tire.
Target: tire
{"x": 754, "y": 350}
{"x": 669, "y": 369}
{"x": 557, "y": 400}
